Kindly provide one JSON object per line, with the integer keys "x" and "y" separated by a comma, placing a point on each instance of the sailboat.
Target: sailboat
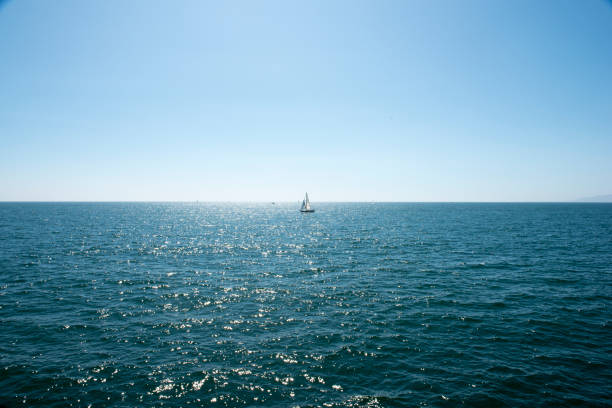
{"x": 306, "y": 205}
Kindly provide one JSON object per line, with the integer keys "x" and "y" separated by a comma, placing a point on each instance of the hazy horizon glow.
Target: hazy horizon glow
{"x": 348, "y": 100}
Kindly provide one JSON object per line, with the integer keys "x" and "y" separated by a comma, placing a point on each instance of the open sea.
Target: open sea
{"x": 355, "y": 305}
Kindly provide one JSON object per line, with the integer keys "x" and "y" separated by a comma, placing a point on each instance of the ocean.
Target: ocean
{"x": 355, "y": 305}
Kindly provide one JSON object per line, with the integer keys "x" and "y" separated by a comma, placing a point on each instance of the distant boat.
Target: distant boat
{"x": 306, "y": 205}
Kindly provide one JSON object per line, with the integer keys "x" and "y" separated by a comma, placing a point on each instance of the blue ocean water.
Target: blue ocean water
{"x": 374, "y": 305}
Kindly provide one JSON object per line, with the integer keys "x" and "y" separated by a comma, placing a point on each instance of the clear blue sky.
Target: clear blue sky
{"x": 349, "y": 100}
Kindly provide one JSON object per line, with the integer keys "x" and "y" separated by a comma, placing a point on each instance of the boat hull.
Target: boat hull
{"x": 306, "y": 210}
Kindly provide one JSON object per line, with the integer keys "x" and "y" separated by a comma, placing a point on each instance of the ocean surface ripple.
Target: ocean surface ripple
{"x": 355, "y": 305}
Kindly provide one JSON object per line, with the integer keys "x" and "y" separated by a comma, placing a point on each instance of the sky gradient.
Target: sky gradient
{"x": 348, "y": 100}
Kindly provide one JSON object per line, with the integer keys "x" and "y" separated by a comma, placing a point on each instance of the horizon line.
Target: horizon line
{"x": 579, "y": 201}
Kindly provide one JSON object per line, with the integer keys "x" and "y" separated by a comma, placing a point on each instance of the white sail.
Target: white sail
{"x": 306, "y": 204}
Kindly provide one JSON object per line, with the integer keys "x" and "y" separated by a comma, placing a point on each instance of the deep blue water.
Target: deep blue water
{"x": 165, "y": 304}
